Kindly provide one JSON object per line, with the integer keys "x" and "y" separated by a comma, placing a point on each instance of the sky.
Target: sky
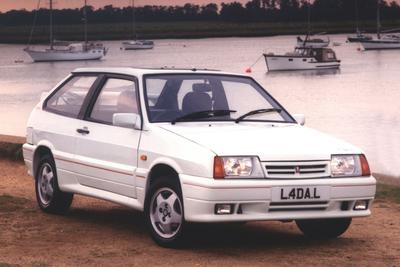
{"x": 6, "y": 5}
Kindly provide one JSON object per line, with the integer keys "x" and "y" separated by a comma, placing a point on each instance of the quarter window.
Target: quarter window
{"x": 68, "y": 99}
{"x": 116, "y": 96}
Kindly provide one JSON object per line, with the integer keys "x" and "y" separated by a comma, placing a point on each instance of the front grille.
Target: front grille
{"x": 298, "y": 206}
{"x": 296, "y": 170}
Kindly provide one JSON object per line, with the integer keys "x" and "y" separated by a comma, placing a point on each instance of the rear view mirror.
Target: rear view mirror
{"x": 127, "y": 120}
{"x": 300, "y": 119}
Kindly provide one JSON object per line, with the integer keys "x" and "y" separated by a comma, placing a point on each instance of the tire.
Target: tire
{"x": 48, "y": 195}
{"x": 324, "y": 228}
{"x": 165, "y": 214}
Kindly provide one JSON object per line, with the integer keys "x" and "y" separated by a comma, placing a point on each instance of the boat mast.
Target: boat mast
{"x": 51, "y": 25}
{"x": 133, "y": 20}
{"x": 308, "y": 20}
{"x": 85, "y": 24}
{"x": 356, "y": 10}
{"x": 378, "y": 19}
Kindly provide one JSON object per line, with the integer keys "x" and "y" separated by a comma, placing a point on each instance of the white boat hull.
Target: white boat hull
{"x": 280, "y": 63}
{"x": 380, "y": 44}
{"x": 136, "y": 46}
{"x": 60, "y": 55}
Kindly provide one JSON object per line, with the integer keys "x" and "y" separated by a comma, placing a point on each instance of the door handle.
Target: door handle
{"x": 83, "y": 130}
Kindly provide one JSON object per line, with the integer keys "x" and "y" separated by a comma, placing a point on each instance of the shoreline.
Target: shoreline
{"x": 12, "y": 139}
{"x": 181, "y": 30}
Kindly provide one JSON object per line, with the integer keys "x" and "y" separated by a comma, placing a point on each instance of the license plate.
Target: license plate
{"x": 301, "y": 193}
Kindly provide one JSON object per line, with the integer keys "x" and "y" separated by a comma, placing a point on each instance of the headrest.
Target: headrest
{"x": 201, "y": 87}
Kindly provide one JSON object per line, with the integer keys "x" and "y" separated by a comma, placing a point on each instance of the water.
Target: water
{"x": 359, "y": 103}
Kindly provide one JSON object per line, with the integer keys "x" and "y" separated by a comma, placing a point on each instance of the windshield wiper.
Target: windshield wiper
{"x": 258, "y": 111}
{"x": 203, "y": 115}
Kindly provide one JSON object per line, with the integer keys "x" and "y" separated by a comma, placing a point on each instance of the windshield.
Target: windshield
{"x": 170, "y": 97}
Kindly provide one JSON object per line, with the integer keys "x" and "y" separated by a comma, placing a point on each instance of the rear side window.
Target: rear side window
{"x": 69, "y": 98}
{"x": 116, "y": 96}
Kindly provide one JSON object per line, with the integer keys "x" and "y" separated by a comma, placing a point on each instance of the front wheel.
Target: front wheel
{"x": 49, "y": 197}
{"x": 324, "y": 228}
{"x": 164, "y": 213}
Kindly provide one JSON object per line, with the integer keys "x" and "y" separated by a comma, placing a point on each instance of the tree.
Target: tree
{"x": 232, "y": 12}
{"x": 209, "y": 12}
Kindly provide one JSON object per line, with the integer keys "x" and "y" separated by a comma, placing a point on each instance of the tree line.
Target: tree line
{"x": 252, "y": 11}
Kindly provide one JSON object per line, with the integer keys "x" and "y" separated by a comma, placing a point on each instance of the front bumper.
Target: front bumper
{"x": 252, "y": 199}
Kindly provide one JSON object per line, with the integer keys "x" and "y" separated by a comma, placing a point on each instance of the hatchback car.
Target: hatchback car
{"x": 191, "y": 146}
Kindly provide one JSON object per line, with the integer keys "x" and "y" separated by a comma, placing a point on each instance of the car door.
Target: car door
{"x": 57, "y": 125}
{"x": 107, "y": 154}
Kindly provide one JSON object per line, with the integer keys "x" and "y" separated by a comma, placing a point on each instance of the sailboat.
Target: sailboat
{"x": 66, "y": 51}
{"x": 359, "y": 35}
{"x": 388, "y": 41}
{"x": 136, "y": 44}
{"x": 309, "y": 41}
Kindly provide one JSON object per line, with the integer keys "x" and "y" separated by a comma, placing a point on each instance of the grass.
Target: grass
{"x": 10, "y": 203}
{"x": 191, "y": 29}
{"x": 11, "y": 151}
{"x": 388, "y": 193}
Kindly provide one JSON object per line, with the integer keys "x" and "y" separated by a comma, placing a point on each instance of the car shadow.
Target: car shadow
{"x": 248, "y": 236}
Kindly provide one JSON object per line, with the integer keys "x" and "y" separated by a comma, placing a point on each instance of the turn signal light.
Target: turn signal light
{"x": 364, "y": 166}
{"x": 219, "y": 172}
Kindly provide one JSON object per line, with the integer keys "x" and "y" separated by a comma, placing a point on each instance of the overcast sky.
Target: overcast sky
{"x": 31, "y": 4}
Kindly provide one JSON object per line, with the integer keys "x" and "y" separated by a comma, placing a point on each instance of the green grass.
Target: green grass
{"x": 11, "y": 151}
{"x": 10, "y": 203}
{"x": 193, "y": 29}
{"x": 388, "y": 193}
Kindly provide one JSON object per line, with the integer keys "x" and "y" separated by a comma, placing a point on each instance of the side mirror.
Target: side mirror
{"x": 127, "y": 120}
{"x": 300, "y": 118}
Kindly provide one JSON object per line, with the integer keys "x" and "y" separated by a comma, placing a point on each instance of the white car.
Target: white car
{"x": 191, "y": 146}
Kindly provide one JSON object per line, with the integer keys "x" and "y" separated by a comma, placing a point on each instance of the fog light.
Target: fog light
{"x": 221, "y": 209}
{"x": 361, "y": 205}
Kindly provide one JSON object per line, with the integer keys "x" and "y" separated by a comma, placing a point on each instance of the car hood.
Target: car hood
{"x": 267, "y": 141}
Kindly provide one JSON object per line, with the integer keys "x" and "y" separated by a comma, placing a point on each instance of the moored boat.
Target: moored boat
{"x": 387, "y": 41}
{"x": 381, "y": 44}
{"x": 137, "y": 44}
{"x": 66, "y": 51}
{"x": 303, "y": 59}
{"x": 73, "y": 52}
{"x": 359, "y": 37}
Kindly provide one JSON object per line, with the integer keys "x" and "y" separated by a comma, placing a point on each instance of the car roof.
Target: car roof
{"x": 143, "y": 71}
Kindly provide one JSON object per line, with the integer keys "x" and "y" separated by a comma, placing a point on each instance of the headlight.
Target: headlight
{"x": 237, "y": 167}
{"x": 349, "y": 165}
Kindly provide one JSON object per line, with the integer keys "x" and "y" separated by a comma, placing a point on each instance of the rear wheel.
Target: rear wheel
{"x": 164, "y": 213}
{"x": 48, "y": 195}
{"x": 324, "y": 228}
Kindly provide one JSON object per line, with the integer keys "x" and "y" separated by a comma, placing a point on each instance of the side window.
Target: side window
{"x": 68, "y": 100}
{"x": 116, "y": 96}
